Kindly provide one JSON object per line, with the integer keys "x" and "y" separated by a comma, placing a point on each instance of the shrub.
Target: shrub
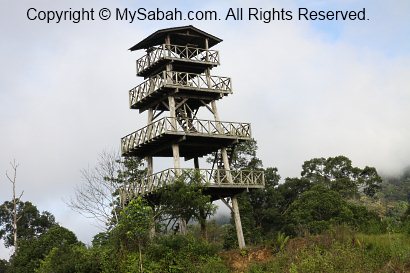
{"x": 182, "y": 254}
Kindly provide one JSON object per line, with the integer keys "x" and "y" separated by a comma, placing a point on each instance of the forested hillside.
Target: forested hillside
{"x": 334, "y": 217}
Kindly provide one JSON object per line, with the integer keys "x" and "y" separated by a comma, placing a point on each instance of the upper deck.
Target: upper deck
{"x": 183, "y": 58}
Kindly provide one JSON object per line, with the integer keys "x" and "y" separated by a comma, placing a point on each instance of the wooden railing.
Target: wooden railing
{"x": 175, "y": 52}
{"x": 168, "y": 125}
{"x": 206, "y": 177}
{"x": 175, "y": 79}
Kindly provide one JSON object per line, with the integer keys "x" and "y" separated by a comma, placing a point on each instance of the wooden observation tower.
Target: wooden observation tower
{"x": 178, "y": 82}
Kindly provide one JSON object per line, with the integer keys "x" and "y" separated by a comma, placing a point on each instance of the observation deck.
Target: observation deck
{"x": 195, "y": 87}
{"x": 214, "y": 181}
{"x": 195, "y": 137}
{"x": 183, "y": 58}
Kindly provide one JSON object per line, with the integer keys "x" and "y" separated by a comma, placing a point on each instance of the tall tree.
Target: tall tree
{"x": 15, "y": 200}
{"x": 244, "y": 156}
{"x": 31, "y": 223}
{"x": 134, "y": 226}
{"x": 338, "y": 174}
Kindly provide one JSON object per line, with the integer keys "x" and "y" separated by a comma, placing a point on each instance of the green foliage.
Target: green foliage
{"x": 338, "y": 174}
{"x": 290, "y": 191}
{"x": 179, "y": 253}
{"x": 134, "y": 224}
{"x": 259, "y": 210}
{"x": 31, "y": 223}
{"x": 3, "y": 266}
{"x": 184, "y": 199}
{"x": 397, "y": 188}
{"x": 315, "y": 210}
{"x": 101, "y": 239}
{"x": 281, "y": 241}
{"x": 30, "y": 252}
{"x": 244, "y": 156}
{"x": 67, "y": 258}
{"x": 131, "y": 169}
{"x": 365, "y": 220}
{"x": 341, "y": 251}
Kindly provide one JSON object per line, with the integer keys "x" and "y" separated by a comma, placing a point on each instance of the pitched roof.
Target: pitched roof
{"x": 179, "y": 36}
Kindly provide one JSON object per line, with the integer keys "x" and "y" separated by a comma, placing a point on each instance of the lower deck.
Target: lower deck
{"x": 217, "y": 183}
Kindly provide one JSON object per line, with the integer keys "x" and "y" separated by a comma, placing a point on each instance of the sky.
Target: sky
{"x": 309, "y": 89}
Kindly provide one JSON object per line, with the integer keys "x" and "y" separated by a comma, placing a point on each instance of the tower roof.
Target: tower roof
{"x": 179, "y": 36}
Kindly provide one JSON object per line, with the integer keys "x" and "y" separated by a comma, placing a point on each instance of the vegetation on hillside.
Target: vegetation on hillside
{"x": 335, "y": 217}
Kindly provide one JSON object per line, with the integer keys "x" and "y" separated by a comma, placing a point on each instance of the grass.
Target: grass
{"x": 340, "y": 251}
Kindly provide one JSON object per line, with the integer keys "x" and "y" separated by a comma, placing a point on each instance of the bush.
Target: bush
{"x": 183, "y": 254}
{"x": 69, "y": 258}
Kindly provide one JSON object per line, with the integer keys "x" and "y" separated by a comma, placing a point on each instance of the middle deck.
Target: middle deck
{"x": 195, "y": 137}
{"x": 194, "y": 87}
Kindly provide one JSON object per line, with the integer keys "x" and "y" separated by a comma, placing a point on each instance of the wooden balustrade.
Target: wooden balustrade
{"x": 174, "y": 52}
{"x": 204, "y": 177}
{"x": 194, "y": 127}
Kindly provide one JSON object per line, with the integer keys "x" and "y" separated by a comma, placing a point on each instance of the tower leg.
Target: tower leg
{"x": 238, "y": 223}
{"x": 183, "y": 226}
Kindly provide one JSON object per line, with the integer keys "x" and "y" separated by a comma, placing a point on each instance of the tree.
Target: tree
{"x": 31, "y": 223}
{"x": 70, "y": 258}
{"x": 290, "y": 191}
{"x": 107, "y": 188}
{"x": 15, "y": 200}
{"x": 134, "y": 226}
{"x": 264, "y": 202}
{"x": 337, "y": 173}
{"x": 397, "y": 188}
{"x": 185, "y": 200}
{"x": 244, "y": 156}
{"x": 258, "y": 209}
{"x": 316, "y": 209}
{"x": 28, "y": 256}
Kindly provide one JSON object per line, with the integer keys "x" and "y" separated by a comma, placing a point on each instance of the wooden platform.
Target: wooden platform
{"x": 198, "y": 89}
{"x": 195, "y": 137}
{"x": 214, "y": 181}
{"x": 183, "y": 58}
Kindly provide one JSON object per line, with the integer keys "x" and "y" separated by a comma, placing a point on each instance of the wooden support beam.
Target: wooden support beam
{"x": 207, "y": 106}
{"x": 175, "y": 147}
{"x": 227, "y": 204}
{"x": 181, "y": 103}
{"x": 238, "y": 223}
{"x": 158, "y": 114}
{"x": 149, "y": 158}
{"x": 165, "y": 104}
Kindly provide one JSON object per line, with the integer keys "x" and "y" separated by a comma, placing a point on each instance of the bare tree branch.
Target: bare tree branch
{"x": 102, "y": 190}
{"x": 14, "y": 166}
